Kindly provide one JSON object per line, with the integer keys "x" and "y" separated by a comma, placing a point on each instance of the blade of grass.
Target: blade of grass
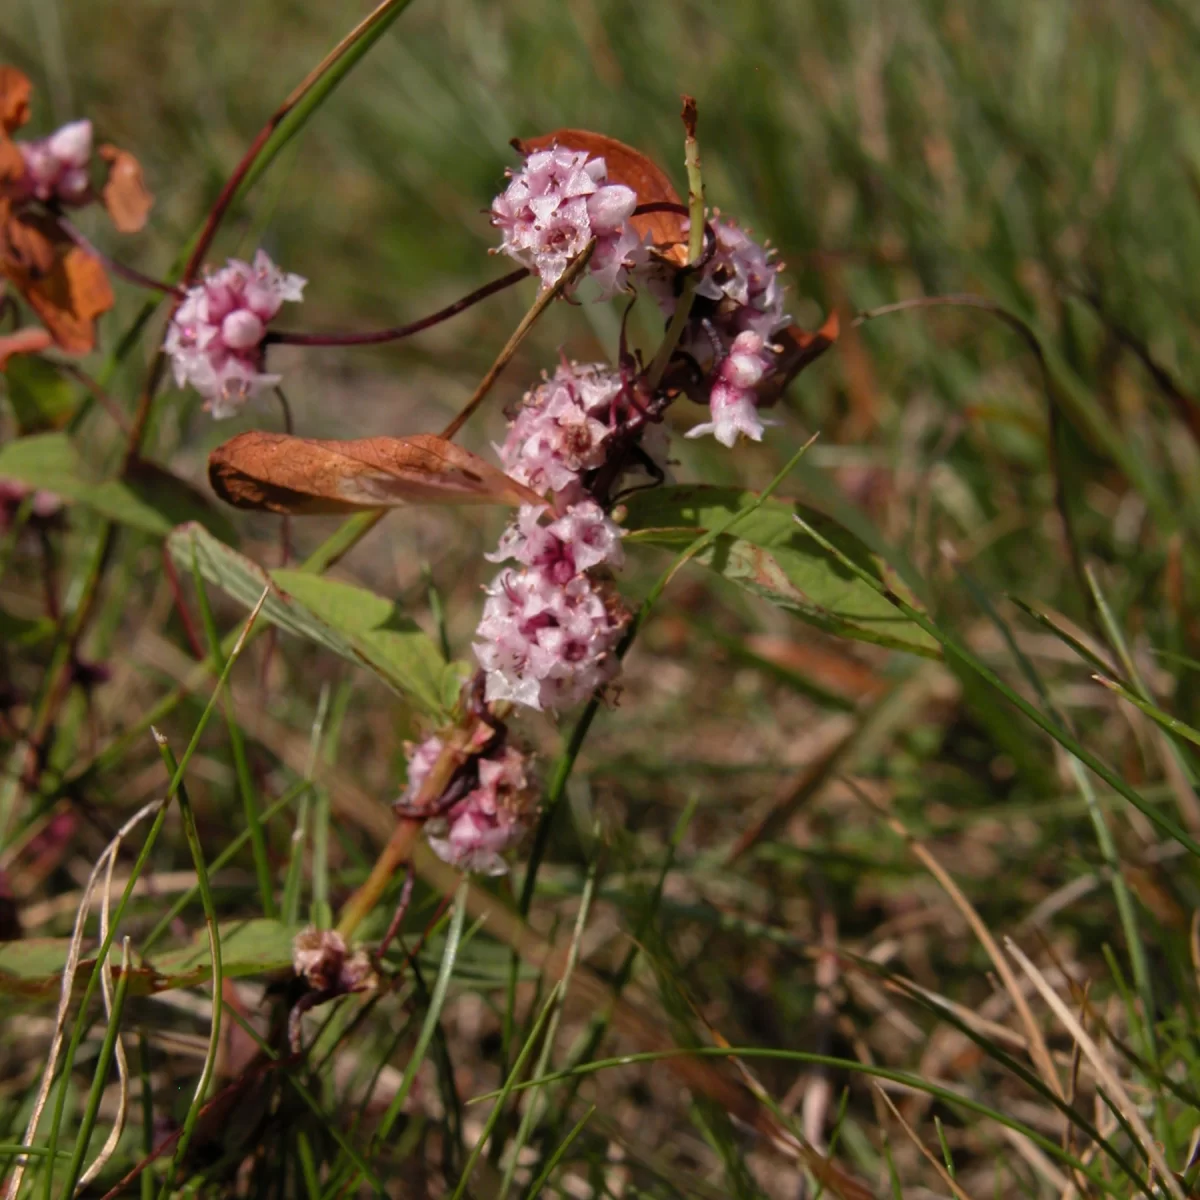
{"x": 81, "y": 1021}
{"x": 853, "y": 1066}
{"x": 192, "y": 835}
{"x": 548, "y": 1008}
{"x": 237, "y": 746}
{"x": 530, "y": 1114}
{"x": 955, "y": 648}
{"x": 437, "y": 998}
{"x": 1119, "y": 1098}
{"x": 100, "y": 1078}
{"x": 536, "y": 1188}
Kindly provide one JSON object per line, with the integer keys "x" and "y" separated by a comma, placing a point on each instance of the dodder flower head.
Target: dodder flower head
{"x": 555, "y": 204}
{"x": 215, "y": 337}
{"x": 490, "y": 820}
{"x": 545, "y": 644}
{"x": 56, "y": 167}
{"x": 738, "y": 310}
{"x": 322, "y": 959}
{"x": 560, "y": 428}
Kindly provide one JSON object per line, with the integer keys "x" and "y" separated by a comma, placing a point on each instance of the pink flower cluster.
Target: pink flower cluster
{"x": 560, "y": 428}
{"x": 215, "y": 337}
{"x": 738, "y": 309}
{"x": 550, "y": 629}
{"x": 477, "y": 831}
{"x": 549, "y": 632}
{"x": 56, "y": 167}
{"x": 555, "y": 204}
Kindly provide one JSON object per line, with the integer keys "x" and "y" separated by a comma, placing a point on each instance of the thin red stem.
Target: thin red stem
{"x": 129, "y": 274}
{"x": 376, "y": 337}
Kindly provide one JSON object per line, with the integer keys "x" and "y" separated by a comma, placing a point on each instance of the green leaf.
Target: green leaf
{"x": 31, "y": 968}
{"x": 149, "y": 498}
{"x": 772, "y": 557}
{"x": 24, "y": 631}
{"x": 352, "y": 622}
{"x": 41, "y": 396}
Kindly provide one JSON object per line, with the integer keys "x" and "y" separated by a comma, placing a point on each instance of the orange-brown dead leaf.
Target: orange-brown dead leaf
{"x": 800, "y": 348}
{"x": 15, "y": 90}
{"x": 30, "y": 340}
{"x": 667, "y": 230}
{"x": 124, "y": 193}
{"x": 274, "y": 472}
{"x": 64, "y": 284}
{"x": 69, "y": 299}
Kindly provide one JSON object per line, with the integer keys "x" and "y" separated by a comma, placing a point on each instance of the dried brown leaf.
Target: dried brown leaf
{"x": 12, "y": 165}
{"x": 65, "y": 285}
{"x": 15, "y": 90}
{"x": 69, "y": 299}
{"x": 279, "y": 473}
{"x": 124, "y": 193}
{"x": 667, "y": 230}
{"x": 30, "y": 340}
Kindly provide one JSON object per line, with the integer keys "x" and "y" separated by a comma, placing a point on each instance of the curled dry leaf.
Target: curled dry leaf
{"x": 30, "y": 340}
{"x": 15, "y": 90}
{"x": 278, "y": 473}
{"x": 62, "y": 283}
{"x": 124, "y": 193}
{"x": 667, "y": 230}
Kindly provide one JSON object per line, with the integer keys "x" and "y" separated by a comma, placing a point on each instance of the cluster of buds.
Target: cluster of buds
{"x": 551, "y": 625}
{"x": 215, "y": 339}
{"x": 558, "y": 202}
{"x": 484, "y": 811}
{"x": 322, "y": 959}
{"x": 57, "y": 167}
{"x": 560, "y": 199}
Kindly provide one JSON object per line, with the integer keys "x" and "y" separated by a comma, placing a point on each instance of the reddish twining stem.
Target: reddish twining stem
{"x": 378, "y": 336}
{"x": 129, "y": 274}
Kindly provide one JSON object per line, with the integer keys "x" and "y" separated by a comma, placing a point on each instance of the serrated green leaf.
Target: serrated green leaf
{"x": 41, "y": 396}
{"x": 149, "y": 498}
{"x": 352, "y": 622}
{"x": 31, "y": 968}
{"x": 772, "y": 557}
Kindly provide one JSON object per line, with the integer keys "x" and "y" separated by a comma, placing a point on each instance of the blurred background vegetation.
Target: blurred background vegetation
{"x": 1041, "y": 153}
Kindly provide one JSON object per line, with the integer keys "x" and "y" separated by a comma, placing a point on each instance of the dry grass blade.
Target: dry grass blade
{"x": 1038, "y": 1050}
{"x": 114, "y": 1135}
{"x": 1115, "y": 1088}
{"x": 103, "y": 863}
{"x": 926, "y": 1153}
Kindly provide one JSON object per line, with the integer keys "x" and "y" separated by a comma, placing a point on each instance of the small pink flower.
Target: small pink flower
{"x": 555, "y": 204}
{"x": 56, "y": 167}
{"x": 44, "y": 506}
{"x": 491, "y": 819}
{"x": 215, "y": 338}
{"x": 732, "y": 400}
{"x": 583, "y": 537}
{"x": 742, "y": 277}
